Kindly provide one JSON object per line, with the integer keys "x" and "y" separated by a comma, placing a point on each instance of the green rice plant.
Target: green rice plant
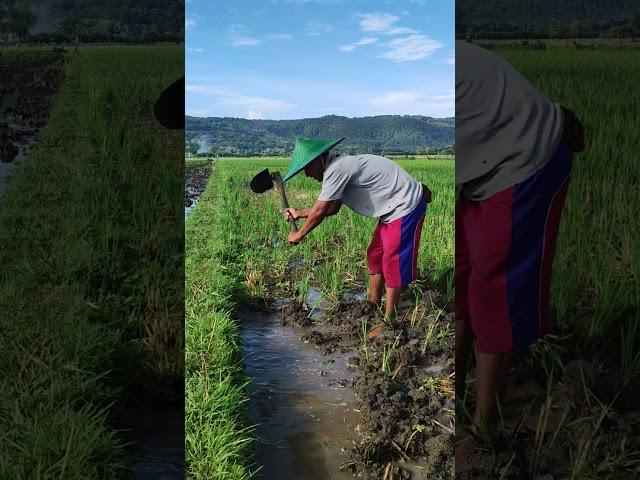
{"x": 303, "y": 289}
{"x": 388, "y": 353}
{"x": 417, "y": 428}
{"x": 629, "y": 352}
{"x": 364, "y": 339}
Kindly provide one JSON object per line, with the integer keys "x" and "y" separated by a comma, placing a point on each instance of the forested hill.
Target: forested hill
{"x": 545, "y": 18}
{"x": 385, "y": 133}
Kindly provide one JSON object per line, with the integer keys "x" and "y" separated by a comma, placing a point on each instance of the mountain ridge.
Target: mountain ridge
{"x": 373, "y": 134}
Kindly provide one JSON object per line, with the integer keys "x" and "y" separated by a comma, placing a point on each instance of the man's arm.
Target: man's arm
{"x": 315, "y": 215}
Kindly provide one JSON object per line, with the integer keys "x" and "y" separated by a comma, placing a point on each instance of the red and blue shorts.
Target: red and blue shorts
{"x": 393, "y": 251}
{"x": 505, "y": 246}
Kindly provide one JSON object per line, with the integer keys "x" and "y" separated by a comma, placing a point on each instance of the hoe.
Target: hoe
{"x": 264, "y": 181}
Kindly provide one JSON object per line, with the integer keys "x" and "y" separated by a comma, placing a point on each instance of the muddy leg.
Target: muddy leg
{"x": 393, "y": 297}
{"x": 464, "y": 341}
{"x": 376, "y": 283}
{"x": 491, "y": 383}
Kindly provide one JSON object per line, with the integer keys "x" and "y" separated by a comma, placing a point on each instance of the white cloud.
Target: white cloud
{"x": 280, "y": 36}
{"x": 314, "y": 29}
{"x": 415, "y": 103}
{"x": 229, "y": 97}
{"x": 190, "y": 22}
{"x": 251, "y": 115}
{"x": 195, "y": 49}
{"x": 449, "y": 61}
{"x": 241, "y": 41}
{"x": 377, "y": 22}
{"x": 400, "y": 31}
{"x": 383, "y": 24}
{"x": 363, "y": 41}
{"x": 411, "y": 48}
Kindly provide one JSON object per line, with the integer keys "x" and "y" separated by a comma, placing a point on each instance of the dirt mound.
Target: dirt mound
{"x": 296, "y": 313}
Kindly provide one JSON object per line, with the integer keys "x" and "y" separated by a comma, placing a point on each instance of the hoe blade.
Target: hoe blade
{"x": 262, "y": 182}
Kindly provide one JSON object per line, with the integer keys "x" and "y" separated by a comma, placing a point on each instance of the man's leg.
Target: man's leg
{"x": 374, "y": 264}
{"x": 491, "y": 383}
{"x": 464, "y": 333}
{"x": 393, "y": 297}
{"x": 376, "y": 283}
{"x": 463, "y": 344}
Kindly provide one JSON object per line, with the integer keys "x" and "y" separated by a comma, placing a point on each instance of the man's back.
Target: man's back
{"x": 371, "y": 185}
{"x": 505, "y": 129}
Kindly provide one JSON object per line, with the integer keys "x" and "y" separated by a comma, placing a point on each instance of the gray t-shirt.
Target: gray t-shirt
{"x": 370, "y": 185}
{"x": 506, "y": 130}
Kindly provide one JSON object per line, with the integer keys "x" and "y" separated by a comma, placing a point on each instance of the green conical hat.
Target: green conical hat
{"x": 306, "y": 150}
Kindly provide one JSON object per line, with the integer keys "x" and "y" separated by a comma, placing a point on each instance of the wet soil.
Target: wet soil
{"x": 406, "y": 410}
{"x": 28, "y": 83}
{"x": 584, "y": 426}
{"x": 196, "y": 178}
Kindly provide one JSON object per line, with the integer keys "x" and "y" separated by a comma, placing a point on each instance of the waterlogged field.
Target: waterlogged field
{"x": 568, "y": 398}
{"x": 91, "y": 235}
{"x": 237, "y": 257}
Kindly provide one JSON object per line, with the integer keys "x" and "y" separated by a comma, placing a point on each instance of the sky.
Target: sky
{"x": 289, "y": 59}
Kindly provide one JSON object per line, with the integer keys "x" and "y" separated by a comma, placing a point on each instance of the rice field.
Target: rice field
{"x": 596, "y": 285}
{"x": 237, "y": 253}
{"x": 90, "y": 285}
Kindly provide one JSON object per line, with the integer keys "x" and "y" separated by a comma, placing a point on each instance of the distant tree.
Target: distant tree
{"x": 212, "y": 150}
{"x": 21, "y": 20}
{"x": 192, "y": 147}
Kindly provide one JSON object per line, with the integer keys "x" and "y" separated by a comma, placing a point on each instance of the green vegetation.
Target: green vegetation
{"x": 236, "y": 253}
{"x": 596, "y": 287}
{"x": 90, "y": 285}
{"x": 386, "y": 134}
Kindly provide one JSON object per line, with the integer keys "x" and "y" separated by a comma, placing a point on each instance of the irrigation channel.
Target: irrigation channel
{"x": 301, "y": 402}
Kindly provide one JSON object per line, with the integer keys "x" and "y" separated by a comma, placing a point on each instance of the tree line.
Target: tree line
{"x": 127, "y": 21}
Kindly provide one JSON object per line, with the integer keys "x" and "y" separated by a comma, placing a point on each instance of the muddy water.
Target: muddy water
{"x": 156, "y": 436}
{"x": 301, "y": 402}
{"x": 195, "y": 183}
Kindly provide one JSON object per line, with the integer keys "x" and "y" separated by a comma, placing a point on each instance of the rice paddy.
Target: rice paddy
{"x": 90, "y": 285}
{"x": 237, "y": 254}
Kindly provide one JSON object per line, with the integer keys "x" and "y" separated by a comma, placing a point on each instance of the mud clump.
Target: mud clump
{"x": 196, "y": 178}
{"x": 297, "y": 314}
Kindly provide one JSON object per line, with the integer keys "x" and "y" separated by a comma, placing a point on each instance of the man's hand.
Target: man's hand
{"x": 294, "y": 238}
{"x": 291, "y": 213}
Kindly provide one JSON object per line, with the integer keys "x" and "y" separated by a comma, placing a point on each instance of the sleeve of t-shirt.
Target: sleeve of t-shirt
{"x": 334, "y": 183}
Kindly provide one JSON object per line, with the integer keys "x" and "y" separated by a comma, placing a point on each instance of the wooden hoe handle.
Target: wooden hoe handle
{"x": 277, "y": 179}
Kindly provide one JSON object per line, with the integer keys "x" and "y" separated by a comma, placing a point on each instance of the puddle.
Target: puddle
{"x": 354, "y": 296}
{"x": 301, "y": 402}
{"x": 196, "y": 178}
{"x": 27, "y": 84}
{"x": 157, "y": 436}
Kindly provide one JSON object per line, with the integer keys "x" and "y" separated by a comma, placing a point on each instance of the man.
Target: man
{"x": 372, "y": 186}
{"x": 514, "y": 156}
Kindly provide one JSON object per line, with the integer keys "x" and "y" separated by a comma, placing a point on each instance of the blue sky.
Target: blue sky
{"x": 285, "y": 59}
